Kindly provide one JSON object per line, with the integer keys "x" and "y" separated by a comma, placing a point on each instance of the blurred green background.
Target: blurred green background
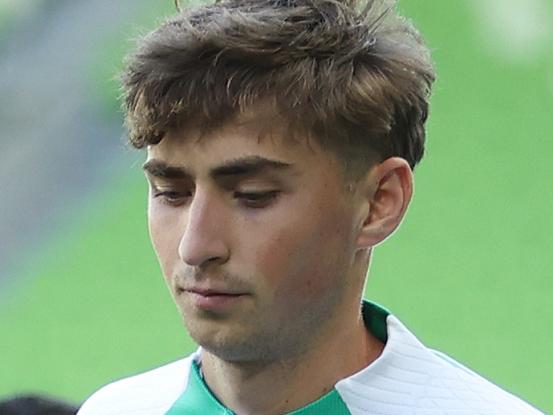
{"x": 82, "y": 301}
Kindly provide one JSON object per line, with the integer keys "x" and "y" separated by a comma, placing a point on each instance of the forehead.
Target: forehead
{"x": 243, "y": 137}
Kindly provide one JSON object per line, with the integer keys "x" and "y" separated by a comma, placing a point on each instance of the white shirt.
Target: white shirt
{"x": 406, "y": 379}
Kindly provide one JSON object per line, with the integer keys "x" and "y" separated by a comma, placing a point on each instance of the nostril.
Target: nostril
{"x": 213, "y": 259}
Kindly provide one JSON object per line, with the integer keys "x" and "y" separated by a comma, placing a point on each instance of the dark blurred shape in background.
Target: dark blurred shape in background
{"x": 36, "y": 405}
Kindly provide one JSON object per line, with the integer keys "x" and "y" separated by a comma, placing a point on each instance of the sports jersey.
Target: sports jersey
{"x": 406, "y": 379}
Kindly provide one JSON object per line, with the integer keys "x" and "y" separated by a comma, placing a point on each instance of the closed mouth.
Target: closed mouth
{"x": 209, "y": 292}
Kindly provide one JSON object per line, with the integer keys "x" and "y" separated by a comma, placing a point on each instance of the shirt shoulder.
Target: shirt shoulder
{"x": 411, "y": 379}
{"x": 149, "y": 393}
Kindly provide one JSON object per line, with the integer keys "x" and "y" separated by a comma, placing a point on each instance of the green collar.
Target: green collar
{"x": 197, "y": 399}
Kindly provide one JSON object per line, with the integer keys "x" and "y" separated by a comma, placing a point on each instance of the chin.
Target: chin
{"x": 229, "y": 344}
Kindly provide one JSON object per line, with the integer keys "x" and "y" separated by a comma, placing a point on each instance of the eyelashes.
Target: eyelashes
{"x": 172, "y": 198}
{"x": 256, "y": 199}
{"x": 248, "y": 199}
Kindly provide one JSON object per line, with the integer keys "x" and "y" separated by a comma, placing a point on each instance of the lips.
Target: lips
{"x": 210, "y": 292}
{"x": 211, "y": 299}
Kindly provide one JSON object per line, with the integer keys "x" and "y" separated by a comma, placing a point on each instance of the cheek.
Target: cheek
{"x": 303, "y": 258}
{"x": 163, "y": 228}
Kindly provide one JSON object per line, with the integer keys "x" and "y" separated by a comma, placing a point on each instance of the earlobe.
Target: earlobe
{"x": 389, "y": 188}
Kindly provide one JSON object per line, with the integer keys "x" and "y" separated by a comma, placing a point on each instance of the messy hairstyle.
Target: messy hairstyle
{"x": 354, "y": 75}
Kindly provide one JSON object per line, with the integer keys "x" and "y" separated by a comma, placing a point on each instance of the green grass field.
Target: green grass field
{"x": 470, "y": 270}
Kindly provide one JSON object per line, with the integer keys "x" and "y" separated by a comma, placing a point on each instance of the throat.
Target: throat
{"x": 282, "y": 386}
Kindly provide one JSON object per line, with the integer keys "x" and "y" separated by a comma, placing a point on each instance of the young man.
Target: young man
{"x": 281, "y": 137}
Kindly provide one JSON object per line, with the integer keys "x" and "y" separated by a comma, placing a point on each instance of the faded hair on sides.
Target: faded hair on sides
{"x": 354, "y": 75}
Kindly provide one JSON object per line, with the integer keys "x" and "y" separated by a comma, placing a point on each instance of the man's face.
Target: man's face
{"x": 255, "y": 236}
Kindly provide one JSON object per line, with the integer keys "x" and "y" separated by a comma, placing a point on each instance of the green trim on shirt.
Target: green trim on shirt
{"x": 375, "y": 317}
{"x": 331, "y": 404}
{"x": 197, "y": 399}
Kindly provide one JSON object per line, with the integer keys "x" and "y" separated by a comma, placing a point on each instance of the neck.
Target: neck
{"x": 277, "y": 387}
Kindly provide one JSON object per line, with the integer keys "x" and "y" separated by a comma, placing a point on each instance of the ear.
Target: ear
{"x": 388, "y": 190}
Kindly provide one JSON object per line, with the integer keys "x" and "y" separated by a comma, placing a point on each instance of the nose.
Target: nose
{"x": 203, "y": 241}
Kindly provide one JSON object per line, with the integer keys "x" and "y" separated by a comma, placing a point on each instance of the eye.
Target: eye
{"x": 171, "y": 197}
{"x": 256, "y": 199}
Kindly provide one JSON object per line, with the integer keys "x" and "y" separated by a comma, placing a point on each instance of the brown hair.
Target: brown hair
{"x": 355, "y": 76}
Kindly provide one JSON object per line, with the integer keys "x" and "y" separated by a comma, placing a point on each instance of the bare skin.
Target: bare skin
{"x": 265, "y": 251}
{"x": 279, "y": 387}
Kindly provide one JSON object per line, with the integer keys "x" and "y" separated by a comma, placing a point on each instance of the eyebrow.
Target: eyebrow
{"x": 237, "y": 167}
{"x": 158, "y": 168}
{"x": 247, "y": 166}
